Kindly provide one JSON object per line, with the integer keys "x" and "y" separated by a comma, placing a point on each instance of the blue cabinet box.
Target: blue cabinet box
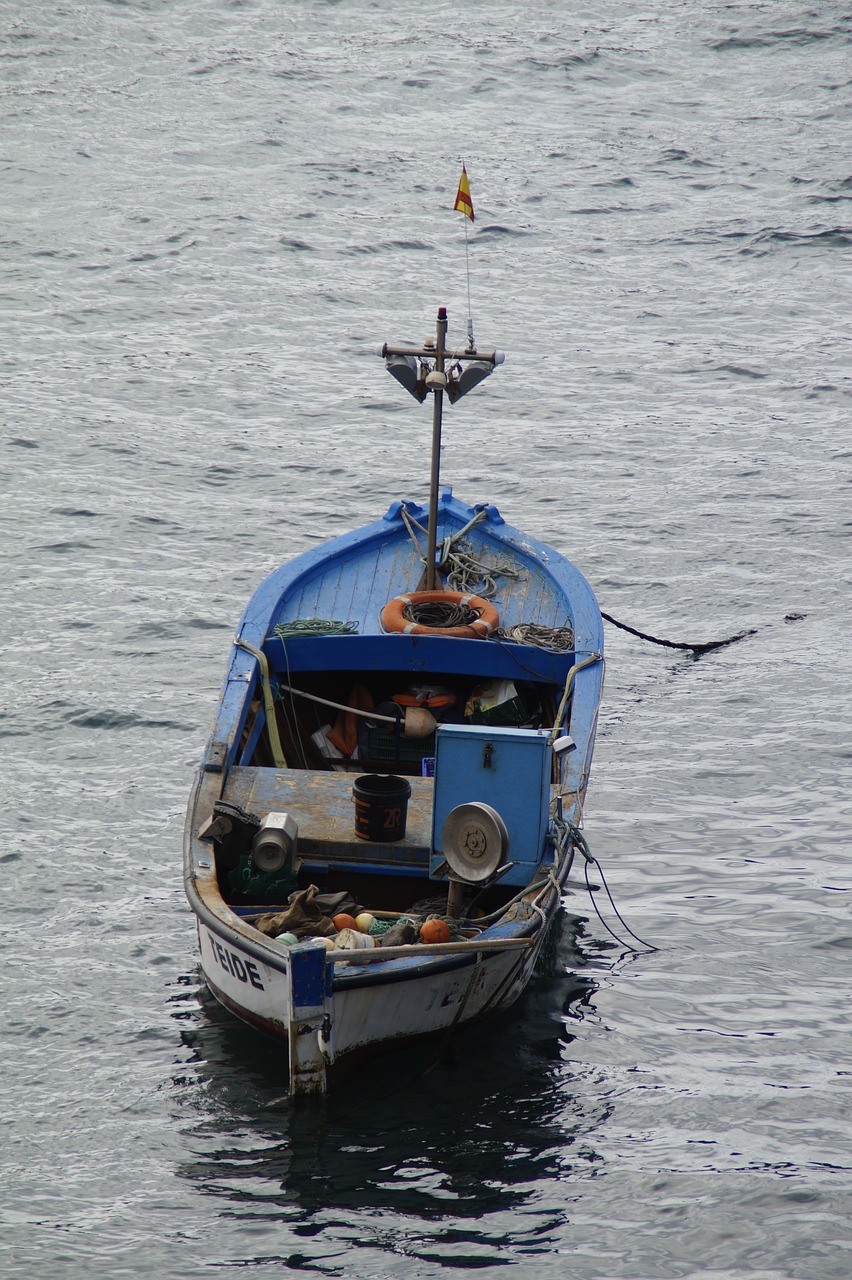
{"x": 508, "y": 769}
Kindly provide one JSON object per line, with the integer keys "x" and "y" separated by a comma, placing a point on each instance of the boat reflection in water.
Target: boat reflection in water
{"x": 440, "y": 1155}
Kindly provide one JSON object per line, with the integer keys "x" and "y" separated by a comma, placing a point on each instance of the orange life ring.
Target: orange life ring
{"x": 394, "y": 619}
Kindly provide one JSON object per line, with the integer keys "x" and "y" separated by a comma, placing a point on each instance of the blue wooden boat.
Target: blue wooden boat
{"x": 386, "y": 813}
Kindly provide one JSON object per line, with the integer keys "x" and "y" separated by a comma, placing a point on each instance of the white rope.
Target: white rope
{"x": 338, "y": 706}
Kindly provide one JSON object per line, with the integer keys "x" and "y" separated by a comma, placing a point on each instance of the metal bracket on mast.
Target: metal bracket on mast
{"x": 422, "y": 370}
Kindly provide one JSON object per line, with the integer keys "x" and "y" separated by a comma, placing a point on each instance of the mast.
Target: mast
{"x": 422, "y": 370}
{"x": 436, "y": 381}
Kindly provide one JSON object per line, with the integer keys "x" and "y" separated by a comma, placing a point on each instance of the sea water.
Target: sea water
{"x": 213, "y": 214}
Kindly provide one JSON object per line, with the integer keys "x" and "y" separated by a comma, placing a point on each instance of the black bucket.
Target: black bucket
{"x": 381, "y": 806}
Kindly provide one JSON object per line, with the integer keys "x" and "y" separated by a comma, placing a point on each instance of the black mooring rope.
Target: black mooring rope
{"x": 590, "y": 860}
{"x": 703, "y": 647}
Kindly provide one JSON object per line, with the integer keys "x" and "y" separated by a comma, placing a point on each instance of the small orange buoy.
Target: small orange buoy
{"x": 435, "y": 931}
{"x": 343, "y": 921}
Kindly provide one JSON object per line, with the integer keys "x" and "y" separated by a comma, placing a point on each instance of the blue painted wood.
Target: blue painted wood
{"x": 508, "y": 769}
{"x": 420, "y": 655}
{"x": 240, "y": 687}
{"x": 353, "y": 576}
{"x": 309, "y": 978}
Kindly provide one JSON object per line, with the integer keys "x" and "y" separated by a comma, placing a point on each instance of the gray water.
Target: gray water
{"x": 212, "y": 214}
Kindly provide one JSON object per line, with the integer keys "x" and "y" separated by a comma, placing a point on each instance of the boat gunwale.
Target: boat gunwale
{"x": 390, "y": 969}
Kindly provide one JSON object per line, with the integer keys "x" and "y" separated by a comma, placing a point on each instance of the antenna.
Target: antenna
{"x": 464, "y": 204}
{"x": 471, "y": 345}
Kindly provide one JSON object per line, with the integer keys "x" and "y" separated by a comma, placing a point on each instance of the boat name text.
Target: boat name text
{"x": 243, "y": 970}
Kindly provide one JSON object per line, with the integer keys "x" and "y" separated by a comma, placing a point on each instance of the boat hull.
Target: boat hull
{"x": 331, "y": 1008}
{"x": 370, "y": 1008}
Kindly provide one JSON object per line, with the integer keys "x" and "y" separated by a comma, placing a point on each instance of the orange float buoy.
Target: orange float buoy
{"x": 394, "y": 619}
{"x": 435, "y": 931}
{"x": 344, "y": 921}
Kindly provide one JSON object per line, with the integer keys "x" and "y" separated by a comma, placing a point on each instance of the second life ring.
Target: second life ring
{"x": 394, "y": 619}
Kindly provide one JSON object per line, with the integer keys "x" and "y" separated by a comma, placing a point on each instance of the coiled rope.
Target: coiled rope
{"x": 557, "y": 639}
{"x": 472, "y": 576}
{"x": 463, "y": 571}
{"x": 440, "y": 614}
{"x": 314, "y": 627}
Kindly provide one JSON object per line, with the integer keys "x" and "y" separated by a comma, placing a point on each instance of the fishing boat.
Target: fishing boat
{"x": 385, "y": 816}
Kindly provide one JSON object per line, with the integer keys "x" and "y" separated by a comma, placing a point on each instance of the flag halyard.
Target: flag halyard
{"x": 463, "y": 203}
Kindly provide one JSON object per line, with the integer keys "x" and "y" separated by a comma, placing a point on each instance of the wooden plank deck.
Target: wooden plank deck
{"x": 357, "y": 588}
{"x": 324, "y": 810}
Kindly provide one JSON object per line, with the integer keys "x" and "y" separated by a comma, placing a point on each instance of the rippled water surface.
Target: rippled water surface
{"x": 213, "y": 213}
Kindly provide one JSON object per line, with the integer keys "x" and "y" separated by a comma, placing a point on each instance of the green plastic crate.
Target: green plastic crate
{"x": 383, "y": 745}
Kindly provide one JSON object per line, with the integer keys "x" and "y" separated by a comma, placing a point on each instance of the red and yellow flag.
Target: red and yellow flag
{"x": 463, "y": 203}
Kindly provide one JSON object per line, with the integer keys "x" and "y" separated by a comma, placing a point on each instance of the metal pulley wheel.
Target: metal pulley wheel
{"x": 475, "y": 841}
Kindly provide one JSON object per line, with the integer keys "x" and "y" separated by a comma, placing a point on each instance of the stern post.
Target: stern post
{"x": 310, "y": 995}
